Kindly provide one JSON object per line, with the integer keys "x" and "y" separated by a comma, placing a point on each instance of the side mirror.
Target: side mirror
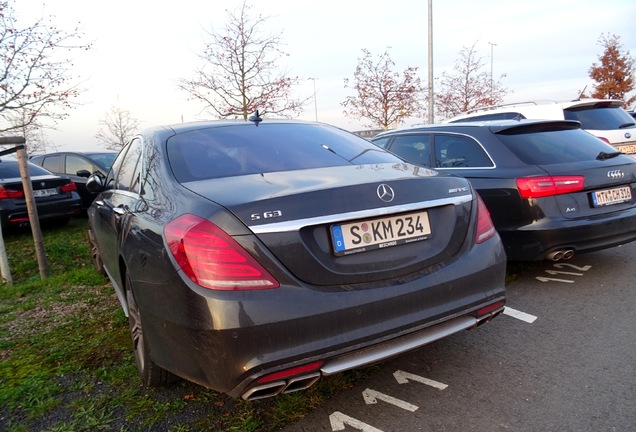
{"x": 83, "y": 173}
{"x": 95, "y": 183}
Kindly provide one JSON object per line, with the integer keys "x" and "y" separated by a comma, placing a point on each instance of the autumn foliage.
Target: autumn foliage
{"x": 384, "y": 97}
{"x": 614, "y": 73}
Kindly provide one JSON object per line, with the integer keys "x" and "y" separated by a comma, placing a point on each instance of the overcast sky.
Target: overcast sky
{"x": 142, "y": 47}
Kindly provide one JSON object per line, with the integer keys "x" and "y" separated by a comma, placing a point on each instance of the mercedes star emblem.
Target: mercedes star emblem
{"x": 385, "y": 193}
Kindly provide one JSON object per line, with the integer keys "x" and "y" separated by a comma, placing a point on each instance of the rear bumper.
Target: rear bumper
{"x": 370, "y": 355}
{"x": 227, "y": 341}
{"x": 536, "y": 241}
{"x": 12, "y": 214}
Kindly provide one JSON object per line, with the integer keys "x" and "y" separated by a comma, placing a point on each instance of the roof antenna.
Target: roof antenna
{"x": 255, "y": 118}
{"x": 581, "y": 94}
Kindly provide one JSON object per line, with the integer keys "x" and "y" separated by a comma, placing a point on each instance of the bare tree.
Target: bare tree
{"x": 469, "y": 87}
{"x": 383, "y": 96}
{"x": 36, "y": 140}
{"x": 239, "y": 73}
{"x": 117, "y": 128}
{"x": 35, "y": 84}
{"x": 33, "y": 133}
{"x": 614, "y": 74}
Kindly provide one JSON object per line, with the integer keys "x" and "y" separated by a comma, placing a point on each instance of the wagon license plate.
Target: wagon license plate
{"x": 612, "y": 196}
{"x": 377, "y": 233}
{"x": 37, "y": 193}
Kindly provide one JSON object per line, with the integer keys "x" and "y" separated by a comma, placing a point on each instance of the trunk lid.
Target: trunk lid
{"x": 297, "y": 214}
{"x": 609, "y": 186}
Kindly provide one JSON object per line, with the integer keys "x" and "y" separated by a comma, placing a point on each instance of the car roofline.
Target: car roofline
{"x": 498, "y": 125}
{"x": 576, "y": 103}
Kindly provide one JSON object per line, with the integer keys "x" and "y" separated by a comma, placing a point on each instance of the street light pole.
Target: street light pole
{"x": 492, "y": 45}
{"x": 315, "y": 102}
{"x": 431, "y": 105}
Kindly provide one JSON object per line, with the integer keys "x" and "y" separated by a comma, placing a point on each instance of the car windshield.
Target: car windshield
{"x": 104, "y": 160}
{"x": 224, "y": 151}
{"x": 554, "y": 146}
{"x": 600, "y": 118}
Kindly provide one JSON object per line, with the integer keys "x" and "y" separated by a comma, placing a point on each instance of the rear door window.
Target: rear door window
{"x": 459, "y": 151}
{"x": 415, "y": 148}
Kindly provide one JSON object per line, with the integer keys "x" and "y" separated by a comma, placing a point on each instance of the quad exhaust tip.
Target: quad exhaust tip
{"x": 558, "y": 255}
{"x": 279, "y": 387}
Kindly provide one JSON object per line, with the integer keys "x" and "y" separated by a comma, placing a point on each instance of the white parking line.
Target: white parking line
{"x": 372, "y": 397}
{"x": 404, "y": 377}
{"x": 519, "y": 315}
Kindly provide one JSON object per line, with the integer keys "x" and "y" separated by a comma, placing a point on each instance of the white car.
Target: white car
{"x": 604, "y": 118}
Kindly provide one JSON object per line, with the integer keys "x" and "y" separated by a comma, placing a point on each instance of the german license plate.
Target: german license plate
{"x": 377, "y": 233}
{"x": 37, "y": 193}
{"x": 612, "y": 196}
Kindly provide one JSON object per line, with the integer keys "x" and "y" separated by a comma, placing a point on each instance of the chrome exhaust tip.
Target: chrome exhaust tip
{"x": 556, "y": 255}
{"x": 294, "y": 384}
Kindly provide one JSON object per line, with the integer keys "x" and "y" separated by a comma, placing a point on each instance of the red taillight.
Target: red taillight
{"x": 485, "y": 228}
{"x": 213, "y": 259}
{"x": 537, "y": 187}
{"x": 68, "y": 187}
{"x": 604, "y": 139}
{"x": 291, "y": 372}
{"x": 10, "y": 193}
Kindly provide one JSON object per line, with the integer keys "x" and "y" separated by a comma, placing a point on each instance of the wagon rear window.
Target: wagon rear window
{"x": 554, "y": 147}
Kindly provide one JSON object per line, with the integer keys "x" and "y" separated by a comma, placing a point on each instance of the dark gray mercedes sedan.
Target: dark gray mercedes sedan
{"x": 254, "y": 257}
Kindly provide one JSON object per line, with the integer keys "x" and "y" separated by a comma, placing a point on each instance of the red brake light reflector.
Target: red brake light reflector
{"x": 490, "y": 308}
{"x": 213, "y": 259}
{"x": 291, "y": 372}
{"x": 537, "y": 187}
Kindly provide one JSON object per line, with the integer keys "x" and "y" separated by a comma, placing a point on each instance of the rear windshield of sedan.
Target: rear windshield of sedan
{"x": 11, "y": 170}
{"x": 223, "y": 151}
{"x": 554, "y": 146}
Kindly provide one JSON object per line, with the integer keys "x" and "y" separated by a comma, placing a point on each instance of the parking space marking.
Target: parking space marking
{"x": 556, "y": 272}
{"x": 519, "y": 315}
{"x": 545, "y": 279}
{"x": 338, "y": 421}
{"x": 371, "y": 397}
{"x": 404, "y": 377}
{"x": 561, "y": 272}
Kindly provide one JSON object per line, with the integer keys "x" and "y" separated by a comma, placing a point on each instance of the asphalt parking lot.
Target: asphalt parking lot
{"x": 562, "y": 358}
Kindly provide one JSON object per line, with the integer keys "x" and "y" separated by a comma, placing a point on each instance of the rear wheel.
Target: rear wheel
{"x": 95, "y": 255}
{"x": 151, "y": 374}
